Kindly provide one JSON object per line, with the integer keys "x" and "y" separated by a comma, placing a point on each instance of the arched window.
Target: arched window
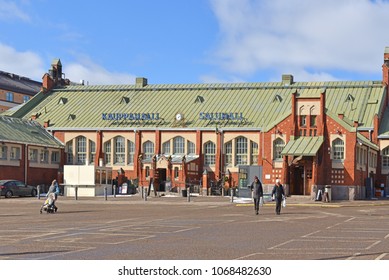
{"x": 131, "y": 152}
{"x": 241, "y": 150}
{"x": 69, "y": 152}
{"x": 254, "y": 153}
{"x": 278, "y": 146}
{"x": 228, "y": 153}
{"x": 338, "y": 149}
{"x": 107, "y": 152}
{"x": 191, "y": 148}
{"x": 385, "y": 158}
{"x": 148, "y": 149}
{"x": 178, "y": 145}
{"x": 166, "y": 148}
{"x": 209, "y": 153}
{"x": 81, "y": 150}
{"x": 92, "y": 151}
{"x": 120, "y": 150}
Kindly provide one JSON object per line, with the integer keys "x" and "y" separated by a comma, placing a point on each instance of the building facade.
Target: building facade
{"x": 308, "y": 134}
{"x": 15, "y": 90}
{"x": 28, "y": 152}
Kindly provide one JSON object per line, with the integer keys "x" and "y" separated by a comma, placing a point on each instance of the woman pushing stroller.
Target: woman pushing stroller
{"x": 51, "y": 197}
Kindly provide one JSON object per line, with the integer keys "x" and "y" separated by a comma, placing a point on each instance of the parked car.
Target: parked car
{"x": 10, "y": 188}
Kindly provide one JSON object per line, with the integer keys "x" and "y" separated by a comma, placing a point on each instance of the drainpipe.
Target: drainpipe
{"x": 25, "y": 163}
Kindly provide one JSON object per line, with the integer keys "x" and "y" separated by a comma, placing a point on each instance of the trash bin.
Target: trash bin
{"x": 327, "y": 191}
{"x": 184, "y": 193}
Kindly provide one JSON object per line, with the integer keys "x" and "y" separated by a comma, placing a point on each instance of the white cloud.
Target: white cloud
{"x": 94, "y": 74}
{"x": 26, "y": 63}
{"x": 9, "y": 10}
{"x": 31, "y": 65}
{"x": 311, "y": 37}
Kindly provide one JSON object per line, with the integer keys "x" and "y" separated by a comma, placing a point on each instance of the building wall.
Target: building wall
{"x": 32, "y": 172}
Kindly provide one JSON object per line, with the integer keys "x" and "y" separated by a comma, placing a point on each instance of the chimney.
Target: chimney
{"x": 141, "y": 82}
{"x": 287, "y": 79}
{"x": 385, "y": 68}
{"x": 54, "y": 77}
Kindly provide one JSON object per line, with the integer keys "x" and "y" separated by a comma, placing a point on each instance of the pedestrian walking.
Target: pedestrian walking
{"x": 278, "y": 194}
{"x": 257, "y": 193}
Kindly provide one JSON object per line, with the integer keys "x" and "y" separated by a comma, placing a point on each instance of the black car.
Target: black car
{"x": 9, "y": 188}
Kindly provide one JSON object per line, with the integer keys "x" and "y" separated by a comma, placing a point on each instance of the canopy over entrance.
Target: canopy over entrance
{"x": 303, "y": 146}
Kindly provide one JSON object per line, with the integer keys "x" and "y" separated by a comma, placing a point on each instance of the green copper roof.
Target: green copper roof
{"x": 257, "y": 106}
{"x": 303, "y": 146}
{"x": 21, "y": 131}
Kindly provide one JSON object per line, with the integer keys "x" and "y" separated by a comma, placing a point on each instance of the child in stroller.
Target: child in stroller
{"x": 49, "y": 205}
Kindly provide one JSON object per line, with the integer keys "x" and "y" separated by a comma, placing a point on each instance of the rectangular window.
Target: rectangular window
{"x": 313, "y": 121}
{"x": 44, "y": 156}
{"x": 303, "y": 121}
{"x": 3, "y": 152}
{"x": 26, "y": 98}
{"x": 176, "y": 173}
{"x": 15, "y": 153}
{"x": 147, "y": 172}
{"x": 55, "y": 157}
{"x": 9, "y": 96}
{"x": 33, "y": 157}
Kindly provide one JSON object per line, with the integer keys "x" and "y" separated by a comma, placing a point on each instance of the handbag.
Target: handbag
{"x": 284, "y": 202}
{"x": 261, "y": 201}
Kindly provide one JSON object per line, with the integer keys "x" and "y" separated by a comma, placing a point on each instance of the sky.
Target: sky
{"x": 195, "y": 41}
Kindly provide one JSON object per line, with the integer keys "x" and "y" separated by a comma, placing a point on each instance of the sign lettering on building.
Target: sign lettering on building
{"x": 221, "y": 116}
{"x": 130, "y": 116}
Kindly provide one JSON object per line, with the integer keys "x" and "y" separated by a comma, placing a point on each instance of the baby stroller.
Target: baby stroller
{"x": 49, "y": 205}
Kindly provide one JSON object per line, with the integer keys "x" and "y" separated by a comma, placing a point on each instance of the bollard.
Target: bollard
{"x": 39, "y": 191}
{"x": 145, "y": 194}
{"x": 114, "y": 190}
{"x": 105, "y": 193}
{"x": 232, "y": 195}
{"x": 76, "y": 193}
{"x": 188, "y": 194}
{"x": 142, "y": 192}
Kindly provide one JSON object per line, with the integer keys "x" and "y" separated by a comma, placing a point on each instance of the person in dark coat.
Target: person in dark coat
{"x": 278, "y": 194}
{"x": 257, "y": 193}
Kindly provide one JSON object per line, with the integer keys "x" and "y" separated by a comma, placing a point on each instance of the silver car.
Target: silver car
{"x": 9, "y": 188}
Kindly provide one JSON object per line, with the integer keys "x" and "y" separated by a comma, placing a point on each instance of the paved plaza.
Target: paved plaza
{"x": 204, "y": 228}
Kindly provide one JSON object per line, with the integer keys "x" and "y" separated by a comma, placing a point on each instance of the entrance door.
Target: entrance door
{"x": 161, "y": 179}
{"x": 298, "y": 180}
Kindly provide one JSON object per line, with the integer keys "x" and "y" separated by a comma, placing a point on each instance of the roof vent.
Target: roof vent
{"x": 287, "y": 79}
{"x": 350, "y": 98}
{"x": 62, "y": 101}
{"x": 199, "y": 99}
{"x": 277, "y": 98}
{"x": 71, "y": 117}
{"x": 125, "y": 100}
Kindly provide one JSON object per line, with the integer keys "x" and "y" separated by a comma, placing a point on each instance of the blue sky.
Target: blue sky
{"x": 195, "y": 41}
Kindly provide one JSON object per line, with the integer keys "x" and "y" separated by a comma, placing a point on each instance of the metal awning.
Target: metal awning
{"x": 303, "y": 146}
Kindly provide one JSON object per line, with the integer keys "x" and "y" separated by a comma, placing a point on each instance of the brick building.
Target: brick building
{"x": 28, "y": 152}
{"x": 15, "y": 90}
{"x": 308, "y": 134}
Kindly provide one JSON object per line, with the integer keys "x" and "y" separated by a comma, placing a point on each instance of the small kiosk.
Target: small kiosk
{"x": 87, "y": 180}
